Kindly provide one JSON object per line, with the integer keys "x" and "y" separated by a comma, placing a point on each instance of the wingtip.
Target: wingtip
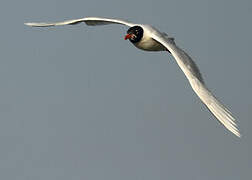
{"x": 38, "y": 24}
{"x": 27, "y": 24}
{"x": 32, "y": 24}
{"x": 234, "y": 129}
{"x": 238, "y": 134}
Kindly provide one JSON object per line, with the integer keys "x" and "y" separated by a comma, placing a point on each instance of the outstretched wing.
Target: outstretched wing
{"x": 192, "y": 73}
{"x": 91, "y": 21}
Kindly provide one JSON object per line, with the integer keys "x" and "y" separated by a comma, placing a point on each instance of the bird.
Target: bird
{"x": 148, "y": 38}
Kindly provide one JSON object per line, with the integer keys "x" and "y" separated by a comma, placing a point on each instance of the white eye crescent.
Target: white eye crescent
{"x": 133, "y": 36}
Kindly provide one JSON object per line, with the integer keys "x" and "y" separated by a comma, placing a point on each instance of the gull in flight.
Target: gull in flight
{"x": 148, "y": 38}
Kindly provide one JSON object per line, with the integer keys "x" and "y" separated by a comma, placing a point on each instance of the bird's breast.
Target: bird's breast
{"x": 149, "y": 44}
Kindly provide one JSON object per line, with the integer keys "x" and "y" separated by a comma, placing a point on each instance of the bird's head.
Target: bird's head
{"x": 134, "y": 34}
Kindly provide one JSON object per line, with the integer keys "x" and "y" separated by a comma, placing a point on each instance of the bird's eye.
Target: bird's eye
{"x": 133, "y": 36}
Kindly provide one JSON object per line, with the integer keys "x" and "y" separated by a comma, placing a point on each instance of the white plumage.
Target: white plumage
{"x": 154, "y": 40}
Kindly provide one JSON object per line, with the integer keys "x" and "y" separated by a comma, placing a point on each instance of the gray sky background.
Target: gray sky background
{"x": 79, "y": 102}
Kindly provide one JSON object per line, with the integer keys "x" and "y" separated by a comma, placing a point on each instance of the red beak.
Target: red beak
{"x": 128, "y": 36}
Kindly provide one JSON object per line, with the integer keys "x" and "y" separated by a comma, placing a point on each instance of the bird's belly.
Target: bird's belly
{"x": 150, "y": 45}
